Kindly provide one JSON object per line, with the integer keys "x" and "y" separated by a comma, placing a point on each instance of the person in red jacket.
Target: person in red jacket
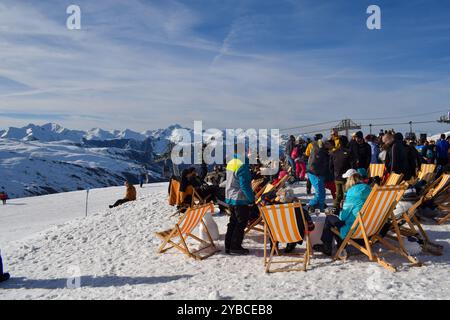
{"x": 3, "y": 197}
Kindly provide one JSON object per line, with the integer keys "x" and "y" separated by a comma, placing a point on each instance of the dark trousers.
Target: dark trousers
{"x": 308, "y": 186}
{"x": 236, "y": 227}
{"x": 331, "y": 221}
{"x": 339, "y": 193}
{"x": 1, "y": 266}
{"x": 119, "y": 202}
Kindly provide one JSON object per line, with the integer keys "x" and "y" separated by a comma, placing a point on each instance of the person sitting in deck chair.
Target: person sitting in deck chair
{"x": 357, "y": 193}
{"x": 286, "y": 195}
{"x": 129, "y": 196}
{"x": 208, "y": 192}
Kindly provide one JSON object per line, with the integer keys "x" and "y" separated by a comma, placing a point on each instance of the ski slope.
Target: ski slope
{"x": 46, "y": 242}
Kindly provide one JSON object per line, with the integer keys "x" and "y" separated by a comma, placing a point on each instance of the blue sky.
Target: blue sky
{"x": 230, "y": 63}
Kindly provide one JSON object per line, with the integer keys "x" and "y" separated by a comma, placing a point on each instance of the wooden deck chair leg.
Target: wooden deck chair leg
{"x": 166, "y": 240}
{"x": 416, "y": 223}
{"x": 366, "y": 239}
{"x": 269, "y": 262}
{"x": 183, "y": 242}
{"x": 442, "y": 220}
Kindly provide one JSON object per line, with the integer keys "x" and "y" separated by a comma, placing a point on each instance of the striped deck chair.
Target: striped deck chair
{"x": 371, "y": 219}
{"x": 280, "y": 225}
{"x": 426, "y": 172}
{"x": 394, "y": 179}
{"x": 178, "y": 198}
{"x": 408, "y": 221}
{"x": 376, "y": 170}
{"x": 256, "y": 225}
{"x": 184, "y": 228}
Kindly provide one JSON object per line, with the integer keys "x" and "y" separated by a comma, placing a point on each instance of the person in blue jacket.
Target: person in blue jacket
{"x": 357, "y": 193}
{"x": 239, "y": 195}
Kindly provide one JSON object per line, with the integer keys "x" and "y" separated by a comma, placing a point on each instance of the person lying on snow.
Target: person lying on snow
{"x": 3, "y": 197}
{"x": 129, "y": 196}
{"x": 3, "y": 276}
{"x": 357, "y": 193}
{"x": 286, "y": 195}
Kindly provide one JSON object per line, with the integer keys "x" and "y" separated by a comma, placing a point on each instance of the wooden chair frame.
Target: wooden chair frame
{"x": 370, "y": 240}
{"x": 168, "y": 236}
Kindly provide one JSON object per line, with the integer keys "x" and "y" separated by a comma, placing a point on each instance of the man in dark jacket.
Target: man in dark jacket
{"x": 361, "y": 152}
{"x": 340, "y": 162}
{"x": 414, "y": 158}
{"x": 396, "y": 158}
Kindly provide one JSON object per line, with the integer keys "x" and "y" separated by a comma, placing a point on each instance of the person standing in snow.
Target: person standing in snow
{"x": 141, "y": 179}
{"x": 129, "y": 196}
{"x": 442, "y": 147}
{"x": 3, "y": 276}
{"x": 3, "y": 197}
{"x": 239, "y": 195}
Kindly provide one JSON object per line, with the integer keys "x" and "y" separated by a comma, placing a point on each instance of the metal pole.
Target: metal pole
{"x": 370, "y": 126}
{"x": 87, "y": 196}
{"x": 410, "y": 127}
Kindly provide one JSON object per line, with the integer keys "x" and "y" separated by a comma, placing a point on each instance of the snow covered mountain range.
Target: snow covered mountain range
{"x": 37, "y": 160}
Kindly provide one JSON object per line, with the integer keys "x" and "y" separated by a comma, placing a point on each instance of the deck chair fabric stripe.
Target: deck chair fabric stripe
{"x": 443, "y": 183}
{"x": 376, "y": 209}
{"x": 376, "y": 170}
{"x": 394, "y": 179}
{"x": 425, "y": 170}
{"x": 192, "y": 219}
{"x": 282, "y": 222}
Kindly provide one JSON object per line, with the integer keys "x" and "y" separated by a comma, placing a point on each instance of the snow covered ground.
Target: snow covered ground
{"x": 46, "y": 242}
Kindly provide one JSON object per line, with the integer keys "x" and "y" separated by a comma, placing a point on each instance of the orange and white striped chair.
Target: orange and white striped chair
{"x": 280, "y": 225}
{"x": 408, "y": 221}
{"x": 376, "y": 170}
{"x": 427, "y": 172}
{"x": 371, "y": 219}
{"x": 439, "y": 192}
{"x": 394, "y": 179}
{"x": 183, "y": 230}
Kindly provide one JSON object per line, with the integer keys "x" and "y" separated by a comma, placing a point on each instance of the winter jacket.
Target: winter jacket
{"x": 375, "y": 152}
{"x": 361, "y": 155}
{"x": 131, "y": 193}
{"x": 396, "y": 160}
{"x": 354, "y": 201}
{"x": 318, "y": 163}
{"x": 340, "y": 162}
{"x": 238, "y": 190}
{"x": 290, "y": 145}
{"x": 414, "y": 160}
{"x": 442, "y": 147}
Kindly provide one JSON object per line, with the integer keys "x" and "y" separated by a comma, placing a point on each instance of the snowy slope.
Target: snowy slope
{"x": 33, "y": 168}
{"x": 114, "y": 251}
